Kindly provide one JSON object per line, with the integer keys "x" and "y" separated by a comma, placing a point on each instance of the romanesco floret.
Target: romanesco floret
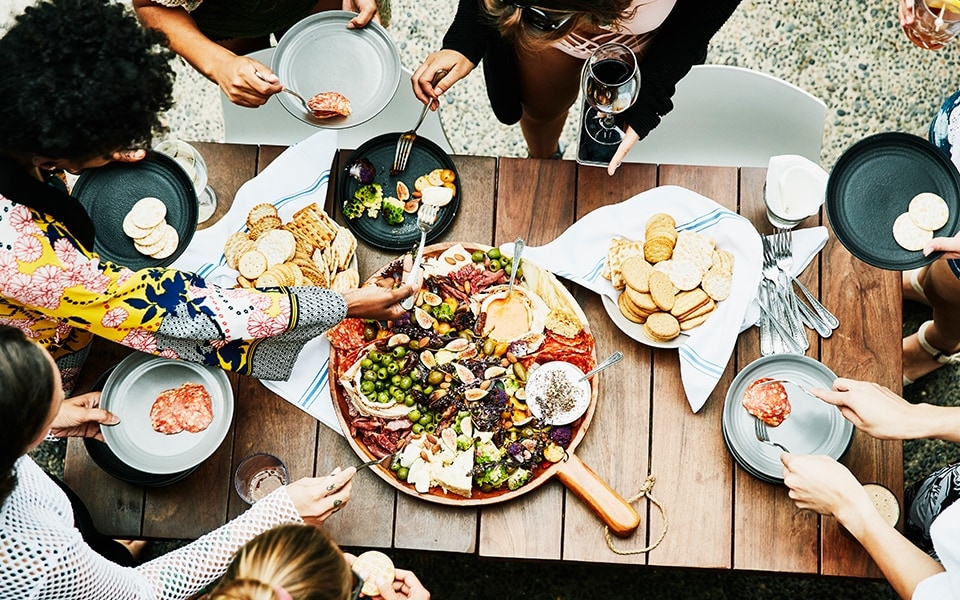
{"x": 519, "y": 478}
{"x": 353, "y": 207}
{"x": 372, "y": 197}
{"x": 393, "y": 211}
{"x": 487, "y": 452}
{"x": 442, "y": 312}
{"x": 495, "y": 476}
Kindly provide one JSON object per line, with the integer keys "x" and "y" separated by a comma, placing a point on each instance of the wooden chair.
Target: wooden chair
{"x": 731, "y": 116}
{"x": 271, "y": 123}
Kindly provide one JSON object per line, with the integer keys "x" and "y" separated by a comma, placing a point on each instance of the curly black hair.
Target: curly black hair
{"x": 82, "y": 79}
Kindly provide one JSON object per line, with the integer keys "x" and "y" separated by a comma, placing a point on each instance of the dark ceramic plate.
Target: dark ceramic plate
{"x": 425, "y": 156}
{"x": 872, "y": 184}
{"x": 112, "y": 465}
{"x": 109, "y": 192}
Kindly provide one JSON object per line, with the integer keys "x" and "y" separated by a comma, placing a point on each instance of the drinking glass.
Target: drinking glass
{"x": 610, "y": 82}
{"x": 196, "y": 168}
{"x": 935, "y": 23}
{"x": 259, "y": 474}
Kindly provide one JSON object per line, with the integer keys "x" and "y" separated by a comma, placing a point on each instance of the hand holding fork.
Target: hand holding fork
{"x": 405, "y": 143}
{"x": 426, "y": 219}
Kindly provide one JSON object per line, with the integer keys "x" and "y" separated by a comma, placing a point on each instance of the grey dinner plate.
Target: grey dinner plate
{"x": 130, "y": 392}
{"x": 319, "y": 54}
{"x": 813, "y": 427}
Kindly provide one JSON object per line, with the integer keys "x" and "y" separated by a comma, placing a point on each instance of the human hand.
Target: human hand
{"x": 455, "y": 64}
{"x": 405, "y": 586}
{"x": 872, "y": 408}
{"x": 375, "y": 302}
{"x": 905, "y": 12}
{"x": 821, "y": 484}
{"x": 245, "y": 81}
{"x": 367, "y": 10}
{"x": 950, "y": 246}
{"x": 81, "y": 416}
{"x": 316, "y": 498}
{"x": 629, "y": 139}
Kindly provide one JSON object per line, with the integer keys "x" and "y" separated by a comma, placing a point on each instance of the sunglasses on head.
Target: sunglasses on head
{"x": 540, "y": 19}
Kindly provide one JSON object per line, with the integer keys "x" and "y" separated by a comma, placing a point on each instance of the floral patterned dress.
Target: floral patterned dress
{"x": 61, "y": 294}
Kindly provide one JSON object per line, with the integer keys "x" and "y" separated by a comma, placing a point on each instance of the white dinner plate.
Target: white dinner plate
{"x": 635, "y": 330}
{"x": 130, "y": 392}
{"x": 319, "y": 54}
{"x": 813, "y": 427}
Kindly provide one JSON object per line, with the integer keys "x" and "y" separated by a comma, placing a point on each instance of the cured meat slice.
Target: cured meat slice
{"x": 768, "y": 402}
{"x": 186, "y": 408}
{"x": 326, "y": 105}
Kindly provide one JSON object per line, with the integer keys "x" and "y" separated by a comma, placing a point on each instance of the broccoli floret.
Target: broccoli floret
{"x": 519, "y": 478}
{"x": 464, "y": 442}
{"x": 442, "y": 312}
{"x": 393, "y": 211}
{"x": 496, "y": 475}
{"x": 487, "y": 452}
{"x": 353, "y": 207}
{"x": 372, "y": 197}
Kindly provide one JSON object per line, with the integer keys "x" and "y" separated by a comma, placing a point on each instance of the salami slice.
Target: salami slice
{"x": 347, "y": 334}
{"x": 326, "y": 105}
{"x": 186, "y": 408}
{"x": 769, "y": 402}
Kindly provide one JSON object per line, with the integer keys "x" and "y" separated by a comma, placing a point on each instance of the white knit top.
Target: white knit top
{"x": 42, "y": 554}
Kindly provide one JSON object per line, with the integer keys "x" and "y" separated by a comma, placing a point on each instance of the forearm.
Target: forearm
{"x": 903, "y": 564}
{"x": 938, "y": 422}
{"x": 185, "y": 36}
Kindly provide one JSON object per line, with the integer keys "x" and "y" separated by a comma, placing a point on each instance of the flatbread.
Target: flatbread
{"x": 908, "y": 235}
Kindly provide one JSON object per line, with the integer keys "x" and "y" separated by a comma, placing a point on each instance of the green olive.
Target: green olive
{"x": 402, "y": 473}
{"x": 375, "y": 356}
{"x": 414, "y": 415}
{"x": 494, "y": 265}
{"x": 477, "y": 256}
{"x": 494, "y": 253}
{"x": 520, "y": 371}
{"x": 409, "y": 401}
{"x": 366, "y": 387}
{"x": 399, "y": 352}
{"x": 395, "y": 465}
{"x": 405, "y": 383}
{"x": 370, "y": 375}
{"x": 366, "y": 363}
{"x": 382, "y": 373}
{"x": 393, "y": 369}
{"x": 527, "y": 432}
{"x": 489, "y": 346}
{"x": 383, "y": 397}
{"x": 435, "y": 377}
{"x": 417, "y": 428}
{"x": 380, "y": 385}
{"x": 425, "y": 420}
{"x": 428, "y": 390}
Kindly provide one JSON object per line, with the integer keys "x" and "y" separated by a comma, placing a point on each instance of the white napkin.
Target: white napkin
{"x": 580, "y": 252}
{"x": 795, "y": 186}
{"x": 807, "y": 243}
{"x": 295, "y": 179}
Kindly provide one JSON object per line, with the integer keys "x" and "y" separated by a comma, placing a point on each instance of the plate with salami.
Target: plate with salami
{"x": 173, "y": 414}
{"x": 443, "y": 388}
{"x": 807, "y": 424}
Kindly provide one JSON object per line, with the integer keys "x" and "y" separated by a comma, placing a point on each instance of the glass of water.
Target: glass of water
{"x": 192, "y": 162}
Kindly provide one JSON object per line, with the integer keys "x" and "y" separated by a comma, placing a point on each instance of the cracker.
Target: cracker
{"x": 661, "y": 219}
{"x": 278, "y": 245}
{"x": 706, "y": 308}
{"x": 259, "y": 211}
{"x": 252, "y": 264}
{"x": 661, "y": 290}
{"x": 263, "y": 225}
{"x": 657, "y": 248}
{"x": 696, "y": 322}
{"x": 153, "y": 236}
{"x": 346, "y": 280}
{"x": 929, "y": 211}
{"x": 695, "y": 248}
{"x": 662, "y": 327}
{"x": 722, "y": 260}
{"x": 234, "y": 251}
{"x": 627, "y": 309}
{"x": 642, "y": 301}
{"x": 170, "y": 240}
{"x": 373, "y": 566}
{"x": 635, "y": 272}
{"x": 267, "y": 279}
{"x": 157, "y": 246}
{"x": 908, "y": 235}
{"x": 133, "y": 231}
{"x": 148, "y": 212}
{"x": 687, "y": 301}
{"x": 685, "y": 273}
{"x": 717, "y": 283}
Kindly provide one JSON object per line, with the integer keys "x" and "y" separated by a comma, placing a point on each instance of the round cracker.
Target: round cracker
{"x": 132, "y": 231}
{"x": 908, "y": 235}
{"x": 158, "y": 246}
{"x": 154, "y": 236}
{"x": 373, "y": 566}
{"x": 929, "y": 211}
{"x": 171, "y": 239}
{"x": 148, "y": 212}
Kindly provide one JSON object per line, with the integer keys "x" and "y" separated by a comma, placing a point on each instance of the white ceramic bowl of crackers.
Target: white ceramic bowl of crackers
{"x": 669, "y": 283}
{"x": 310, "y": 249}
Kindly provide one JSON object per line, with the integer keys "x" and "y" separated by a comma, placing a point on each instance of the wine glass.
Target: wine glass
{"x": 610, "y": 82}
{"x": 192, "y": 162}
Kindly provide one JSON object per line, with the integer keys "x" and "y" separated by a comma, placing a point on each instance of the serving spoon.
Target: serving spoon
{"x": 517, "y": 251}
{"x": 608, "y": 362}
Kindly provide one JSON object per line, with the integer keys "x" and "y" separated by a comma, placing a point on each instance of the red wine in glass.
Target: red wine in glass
{"x": 610, "y": 83}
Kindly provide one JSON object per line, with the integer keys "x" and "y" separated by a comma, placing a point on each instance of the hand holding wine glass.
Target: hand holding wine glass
{"x": 610, "y": 83}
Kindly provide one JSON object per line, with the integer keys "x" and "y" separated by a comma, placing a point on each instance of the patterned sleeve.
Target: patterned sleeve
{"x": 189, "y": 5}
{"x": 50, "y": 281}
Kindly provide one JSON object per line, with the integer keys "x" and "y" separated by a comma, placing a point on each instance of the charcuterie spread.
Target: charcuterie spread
{"x": 442, "y": 389}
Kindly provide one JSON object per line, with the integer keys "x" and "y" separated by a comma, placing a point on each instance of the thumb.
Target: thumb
{"x": 104, "y": 417}
{"x": 385, "y": 588}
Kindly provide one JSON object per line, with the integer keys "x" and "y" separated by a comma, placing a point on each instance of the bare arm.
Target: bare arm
{"x": 236, "y": 75}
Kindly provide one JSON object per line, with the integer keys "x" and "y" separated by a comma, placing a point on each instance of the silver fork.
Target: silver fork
{"x": 405, "y": 143}
{"x": 426, "y": 219}
{"x": 783, "y": 251}
{"x": 777, "y": 304}
{"x": 760, "y": 429}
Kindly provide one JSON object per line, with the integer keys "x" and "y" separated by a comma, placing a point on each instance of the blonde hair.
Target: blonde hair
{"x": 301, "y": 559}
{"x": 507, "y": 18}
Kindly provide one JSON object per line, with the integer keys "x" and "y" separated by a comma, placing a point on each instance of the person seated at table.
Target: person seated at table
{"x": 534, "y": 52}
{"x": 300, "y": 561}
{"x": 85, "y": 85}
{"x": 936, "y": 342}
{"x": 48, "y": 544}
{"x": 822, "y": 484}
{"x": 213, "y": 36}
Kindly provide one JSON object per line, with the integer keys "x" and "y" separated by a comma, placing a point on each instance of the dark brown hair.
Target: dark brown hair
{"x": 507, "y": 17}
{"x": 26, "y": 391}
{"x": 301, "y": 559}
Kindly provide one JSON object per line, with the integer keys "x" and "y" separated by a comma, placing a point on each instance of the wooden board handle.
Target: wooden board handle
{"x": 613, "y": 510}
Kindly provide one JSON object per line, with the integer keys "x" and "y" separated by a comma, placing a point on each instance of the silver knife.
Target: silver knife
{"x": 375, "y": 461}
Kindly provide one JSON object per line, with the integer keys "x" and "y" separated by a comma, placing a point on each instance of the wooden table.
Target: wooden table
{"x": 719, "y": 516}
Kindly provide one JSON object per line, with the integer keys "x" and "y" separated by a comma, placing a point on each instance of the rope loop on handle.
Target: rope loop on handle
{"x": 645, "y": 490}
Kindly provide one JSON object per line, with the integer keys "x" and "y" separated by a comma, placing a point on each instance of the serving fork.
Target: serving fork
{"x": 760, "y": 430}
{"x": 779, "y": 308}
{"x": 783, "y": 253}
{"x": 405, "y": 143}
{"x": 426, "y": 219}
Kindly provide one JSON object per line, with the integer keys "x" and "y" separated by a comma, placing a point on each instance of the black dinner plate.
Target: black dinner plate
{"x": 109, "y": 192}
{"x": 104, "y": 458}
{"x": 873, "y": 183}
{"x": 425, "y": 156}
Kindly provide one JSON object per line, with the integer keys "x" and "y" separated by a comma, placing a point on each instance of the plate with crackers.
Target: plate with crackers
{"x": 309, "y": 249}
{"x": 668, "y": 284}
{"x": 428, "y": 168}
{"x": 888, "y": 195}
{"x": 145, "y": 213}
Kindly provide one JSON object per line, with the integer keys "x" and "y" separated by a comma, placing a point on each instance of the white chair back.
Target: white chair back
{"x": 272, "y": 124}
{"x": 731, "y": 116}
